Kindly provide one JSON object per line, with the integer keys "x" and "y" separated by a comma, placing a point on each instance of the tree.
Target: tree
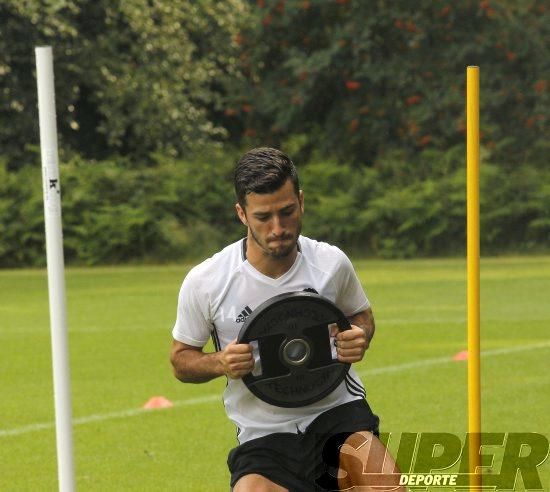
{"x": 361, "y": 78}
{"x": 133, "y": 78}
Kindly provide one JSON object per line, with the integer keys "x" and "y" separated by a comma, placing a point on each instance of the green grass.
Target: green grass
{"x": 120, "y": 322}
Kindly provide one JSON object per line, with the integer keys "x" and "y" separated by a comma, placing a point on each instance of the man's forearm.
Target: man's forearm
{"x": 364, "y": 320}
{"x": 193, "y": 366}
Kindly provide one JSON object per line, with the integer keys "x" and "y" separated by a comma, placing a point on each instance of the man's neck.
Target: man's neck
{"x": 266, "y": 264}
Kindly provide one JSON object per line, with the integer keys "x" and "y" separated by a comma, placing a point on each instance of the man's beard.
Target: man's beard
{"x": 282, "y": 252}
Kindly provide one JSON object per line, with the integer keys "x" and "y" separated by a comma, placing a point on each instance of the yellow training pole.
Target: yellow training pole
{"x": 472, "y": 192}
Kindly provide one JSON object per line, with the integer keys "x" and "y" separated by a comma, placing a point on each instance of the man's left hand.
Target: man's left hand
{"x": 351, "y": 344}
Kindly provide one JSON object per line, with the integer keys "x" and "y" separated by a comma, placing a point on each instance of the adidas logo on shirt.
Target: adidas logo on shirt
{"x": 246, "y": 311}
{"x": 244, "y": 314}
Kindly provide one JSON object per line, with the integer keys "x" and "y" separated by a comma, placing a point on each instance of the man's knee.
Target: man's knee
{"x": 254, "y": 482}
{"x": 366, "y": 461}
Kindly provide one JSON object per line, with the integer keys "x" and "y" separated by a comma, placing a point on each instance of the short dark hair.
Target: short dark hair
{"x": 263, "y": 170}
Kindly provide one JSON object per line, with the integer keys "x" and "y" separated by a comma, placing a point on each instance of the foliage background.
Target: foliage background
{"x": 156, "y": 101}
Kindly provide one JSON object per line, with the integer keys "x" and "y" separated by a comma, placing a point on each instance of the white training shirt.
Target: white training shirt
{"x": 217, "y": 296}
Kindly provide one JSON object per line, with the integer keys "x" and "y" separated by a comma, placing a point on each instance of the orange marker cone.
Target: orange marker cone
{"x": 157, "y": 402}
{"x": 463, "y": 355}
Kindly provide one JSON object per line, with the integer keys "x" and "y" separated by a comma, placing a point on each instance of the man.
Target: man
{"x": 326, "y": 445}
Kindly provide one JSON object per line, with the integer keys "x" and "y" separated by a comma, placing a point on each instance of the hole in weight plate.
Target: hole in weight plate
{"x": 296, "y": 351}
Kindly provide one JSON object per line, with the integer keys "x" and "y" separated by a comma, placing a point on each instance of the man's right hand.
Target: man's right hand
{"x": 237, "y": 359}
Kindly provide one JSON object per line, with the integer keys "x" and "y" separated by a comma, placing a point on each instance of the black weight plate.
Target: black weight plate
{"x": 301, "y": 318}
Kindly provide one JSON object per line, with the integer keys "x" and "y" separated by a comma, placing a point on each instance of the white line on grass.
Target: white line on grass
{"x": 210, "y": 398}
{"x": 445, "y": 360}
{"x": 98, "y": 417}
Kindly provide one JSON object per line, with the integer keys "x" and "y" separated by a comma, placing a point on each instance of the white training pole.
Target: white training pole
{"x": 56, "y": 268}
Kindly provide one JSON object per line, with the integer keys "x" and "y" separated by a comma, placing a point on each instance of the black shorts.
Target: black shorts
{"x": 306, "y": 461}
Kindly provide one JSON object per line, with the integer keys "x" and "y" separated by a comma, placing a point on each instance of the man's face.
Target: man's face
{"x": 274, "y": 219}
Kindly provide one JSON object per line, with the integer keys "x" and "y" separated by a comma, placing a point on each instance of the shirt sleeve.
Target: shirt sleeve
{"x": 350, "y": 297}
{"x": 193, "y": 324}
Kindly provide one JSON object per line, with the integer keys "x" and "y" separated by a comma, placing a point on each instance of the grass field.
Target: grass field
{"x": 120, "y": 323}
